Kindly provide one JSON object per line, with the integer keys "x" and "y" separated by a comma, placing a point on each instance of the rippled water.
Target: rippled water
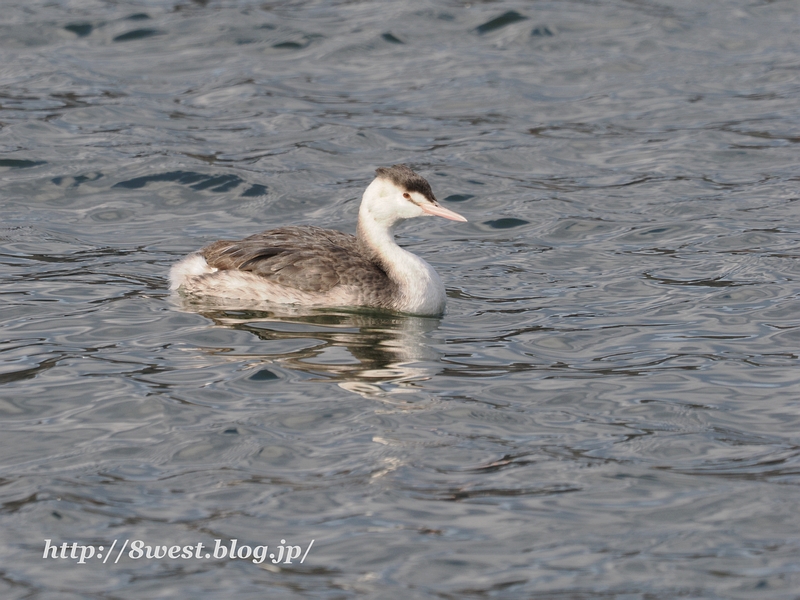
{"x": 609, "y": 408}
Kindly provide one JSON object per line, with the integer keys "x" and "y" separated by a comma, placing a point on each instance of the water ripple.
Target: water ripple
{"x": 609, "y": 406}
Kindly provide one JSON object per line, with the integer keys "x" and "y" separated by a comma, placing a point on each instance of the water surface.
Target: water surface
{"x": 608, "y": 409}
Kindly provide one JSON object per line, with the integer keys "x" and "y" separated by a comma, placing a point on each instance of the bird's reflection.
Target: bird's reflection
{"x": 368, "y": 352}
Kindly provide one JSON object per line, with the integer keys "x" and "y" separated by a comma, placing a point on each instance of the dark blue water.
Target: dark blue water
{"x": 610, "y": 406}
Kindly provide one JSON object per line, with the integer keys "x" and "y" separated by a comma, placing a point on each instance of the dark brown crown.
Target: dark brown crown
{"x": 406, "y": 179}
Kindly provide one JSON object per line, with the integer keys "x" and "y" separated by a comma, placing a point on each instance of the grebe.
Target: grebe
{"x": 318, "y": 267}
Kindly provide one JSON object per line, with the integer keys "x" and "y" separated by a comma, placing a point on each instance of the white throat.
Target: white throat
{"x": 419, "y": 288}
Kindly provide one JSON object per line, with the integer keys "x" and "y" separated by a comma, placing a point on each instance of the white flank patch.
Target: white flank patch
{"x": 193, "y": 265}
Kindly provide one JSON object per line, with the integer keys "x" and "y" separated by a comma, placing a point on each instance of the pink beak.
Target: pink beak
{"x": 441, "y": 211}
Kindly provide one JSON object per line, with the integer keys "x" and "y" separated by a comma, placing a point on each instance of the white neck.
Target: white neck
{"x": 419, "y": 288}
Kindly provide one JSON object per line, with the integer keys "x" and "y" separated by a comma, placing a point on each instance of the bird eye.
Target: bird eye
{"x": 406, "y": 195}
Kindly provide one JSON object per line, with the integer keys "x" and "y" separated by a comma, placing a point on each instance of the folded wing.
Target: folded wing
{"x": 309, "y": 259}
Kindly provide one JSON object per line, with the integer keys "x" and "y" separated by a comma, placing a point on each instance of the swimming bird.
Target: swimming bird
{"x": 317, "y": 267}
